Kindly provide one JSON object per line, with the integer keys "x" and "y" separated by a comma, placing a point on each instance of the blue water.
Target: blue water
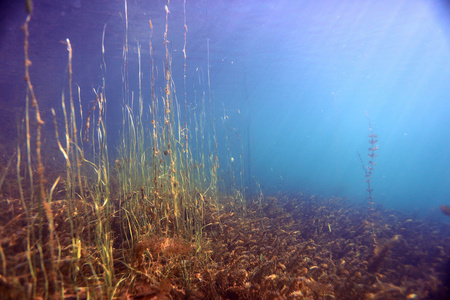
{"x": 314, "y": 69}
{"x": 293, "y": 79}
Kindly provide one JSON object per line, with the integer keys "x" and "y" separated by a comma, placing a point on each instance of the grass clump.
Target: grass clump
{"x": 100, "y": 228}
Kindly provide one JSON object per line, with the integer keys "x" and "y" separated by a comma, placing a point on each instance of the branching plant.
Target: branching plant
{"x": 368, "y": 171}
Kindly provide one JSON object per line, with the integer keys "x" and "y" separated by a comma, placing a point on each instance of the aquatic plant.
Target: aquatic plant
{"x": 368, "y": 171}
{"x": 151, "y": 222}
{"x": 96, "y": 229}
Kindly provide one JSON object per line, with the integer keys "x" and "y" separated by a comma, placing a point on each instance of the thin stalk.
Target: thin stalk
{"x": 40, "y": 166}
{"x": 30, "y": 233}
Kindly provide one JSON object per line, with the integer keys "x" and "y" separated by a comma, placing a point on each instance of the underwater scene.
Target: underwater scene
{"x": 225, "y": 149}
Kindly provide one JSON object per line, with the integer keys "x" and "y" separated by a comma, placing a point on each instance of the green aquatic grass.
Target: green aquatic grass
{"x": 91, "y": 218}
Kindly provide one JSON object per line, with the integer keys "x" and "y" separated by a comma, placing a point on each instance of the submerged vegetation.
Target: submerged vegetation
{"x": 111, "y": 223}
{"x": 157, "y": 221}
